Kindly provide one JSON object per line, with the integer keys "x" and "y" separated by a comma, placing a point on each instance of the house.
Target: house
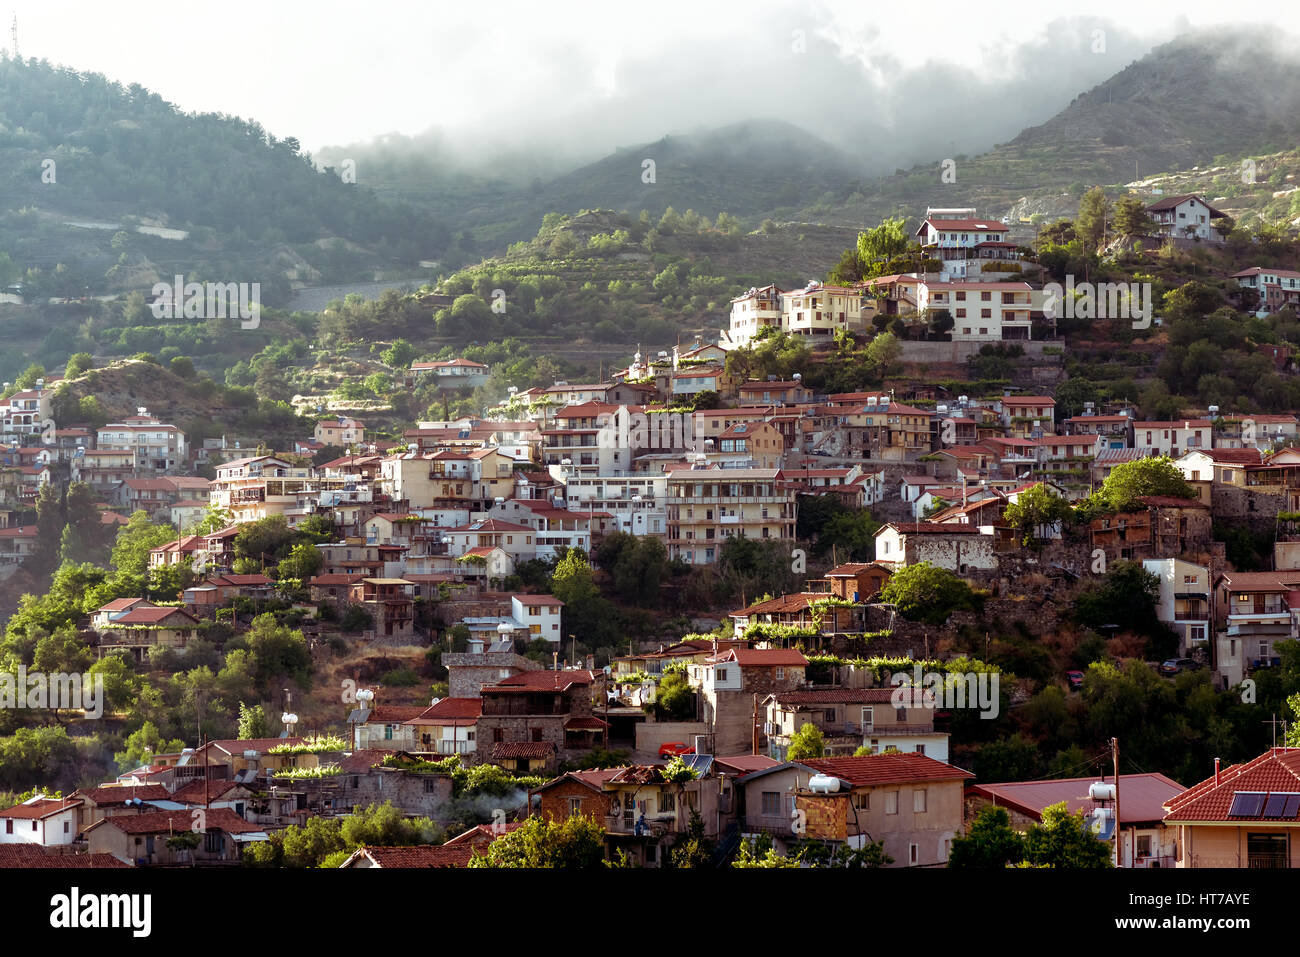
{"x": 1026, "y": 414}
{"x": 1116, "y": 430}
{"x": 963, "y": 243}
{"x": 1172, "y": 438}
{"x": 455, "y": 373}
{"x": 981, "y": 311}
{"x": 342, "y": 431}
{"x": 1247, "y": 815}
{"x": 852, "y": 718}
{"x": 727, "y": 683}
{"x": 108, "y": 800}
{"x": 1158, "y": 526}
{"x": 17, "y": 544}
{"x": 754, "y": 445}
{"x": 41, "y": 820}
{"x": 146, "y": 839}
{"x": 819, "y": 311}
{"x": 910, "y": 803}
{"x": 772, "y": 392}
{"x": 1145, "y": 841}
{"x": 576, "y": 792}
{"x": 384, "y": 726}
{"x": 1272, "y": 288}
{"x": 390, "y": 604}
{"x": 1252, "y": 610}
{"x": 956, "y": 547}
{"x": 857, "y": 581}
{"x": 448, "y": 726}
{"x": 143, "y": 626}
{"x": 1187, "y": 216}
{"x": 549, "y": 712}
{"x": 760, "y": 307}
{"x": 1184, "y": 602}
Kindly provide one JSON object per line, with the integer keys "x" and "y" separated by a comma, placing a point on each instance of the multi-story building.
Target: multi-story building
{"x": 1273, "y": 287}
{"x": 707, "y": 506}
{"x": 637, "y": 503}
{"x": 158, "y": 447}
{"x": 752, "y": 311}
{"x": 981, "y": 311}
{"x": 340, "y": 431}
{"x": 852, "y": 718}
{"x": 1184, "y": 602}
{"x": 1185, "y": 217}
{"x": 1172, "y": 438}
{"x": 589, "y": 438}
{"x": 262, "y": 486}
{"x": 540, "y": 716}
{"x": 729, "y": 681}
{"x": 1253, "y": 610}
{"x": 818, "y": 311}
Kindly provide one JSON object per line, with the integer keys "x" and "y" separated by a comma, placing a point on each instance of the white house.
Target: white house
{"x": 1185, "y": 217}
{"x": 40, "y": 820}
{"x": 1184, "y": 602}
{"x": 1275, "y": 287}
{"x": 1172, "y": 438}
{"x": 981, "y": 311}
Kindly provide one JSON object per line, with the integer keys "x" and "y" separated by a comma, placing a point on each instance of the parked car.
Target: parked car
{"x": 1075, "y": 678}
{"x": 671, "y": 749}
{"x": 1175, "y": 665}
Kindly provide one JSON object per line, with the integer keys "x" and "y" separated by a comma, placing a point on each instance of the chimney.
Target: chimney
{"x": 1216, "y": 770}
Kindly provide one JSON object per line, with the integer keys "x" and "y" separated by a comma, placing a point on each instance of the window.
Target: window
{"x": 498, "y": 735}
{"x": 667, "y": 802}
{"x": 986, "y": 297}
{"x": 430, "y": 785}
{"x": 9, "y": 826}
{"x": 918, "y": 801}
{"x": 1144, "y": 845}
{"x": 65, "y": 827}
{"x": 575, "y": 807}
{"x": 901, "y": 715}
{"x": 891, "y": 802}
{"x": 720, "y": 674}
{"x": 771, "y": 804}
{"x": 913, "y": 854}
{"x": 780, "y": 674}
{"x": 862, "y": 800}
{"x": 920, "y": 749}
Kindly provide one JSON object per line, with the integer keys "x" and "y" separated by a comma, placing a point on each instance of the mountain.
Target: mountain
{"x": 221, "y": 191}
{"x": 1203, "y": 98}
{"x": 752, "y": 169}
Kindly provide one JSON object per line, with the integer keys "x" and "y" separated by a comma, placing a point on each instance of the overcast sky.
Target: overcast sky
{"x": 592, "y": 76}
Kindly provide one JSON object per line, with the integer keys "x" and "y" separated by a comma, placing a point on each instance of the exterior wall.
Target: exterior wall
{"x": 650, "y": 736}
{"x": 1227, "y": 846}
{"x": 57, "y": 829}
{"x": 555, "y": 800}
{"x": 467, "y": 673}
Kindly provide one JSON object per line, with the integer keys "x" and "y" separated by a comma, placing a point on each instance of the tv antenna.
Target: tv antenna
{"x": 13, "y": 29}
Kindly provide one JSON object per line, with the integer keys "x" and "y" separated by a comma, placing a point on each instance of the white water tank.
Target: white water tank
{"x": 1100, "y": 791}
{"x": 824, "y": 783}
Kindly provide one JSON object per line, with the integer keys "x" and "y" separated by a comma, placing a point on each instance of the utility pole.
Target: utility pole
{"x": 1114, "y": 753}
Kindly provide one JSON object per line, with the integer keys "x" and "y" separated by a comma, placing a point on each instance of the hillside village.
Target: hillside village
{"x": 689, "y": 607}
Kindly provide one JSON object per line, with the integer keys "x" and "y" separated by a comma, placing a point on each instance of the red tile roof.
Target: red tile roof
{"x": 451, "y": 712}
{"x": 158, "y": 822}
{"x": 1276, "y": 770}
{"x": 543, "y": 681}
{"x": 420, "y": 855}
{"x": 522, "y": 749}
{"x": 762, "y": 657}
{"x": 887, "y": 769}
{"x": 42, "y": 808}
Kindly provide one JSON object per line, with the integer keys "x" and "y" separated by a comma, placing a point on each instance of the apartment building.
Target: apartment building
{"x": 158, "y": 447}
{"x": 708, "y": 506}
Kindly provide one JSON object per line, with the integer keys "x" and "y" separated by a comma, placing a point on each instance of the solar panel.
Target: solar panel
{"x": 1282, "y": 804}
{"x": 1276, "y": 802}
{"x": 1246, "y": 804}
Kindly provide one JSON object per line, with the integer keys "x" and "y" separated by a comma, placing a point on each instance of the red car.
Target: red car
{"x": 671, "y": 749}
